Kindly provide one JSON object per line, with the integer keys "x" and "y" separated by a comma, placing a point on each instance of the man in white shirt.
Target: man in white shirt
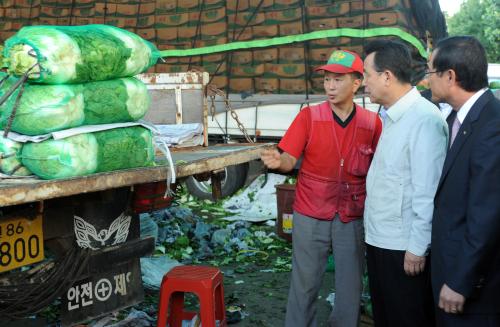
{"x": 401, "y": 184}
{"x": 465, "y": 248}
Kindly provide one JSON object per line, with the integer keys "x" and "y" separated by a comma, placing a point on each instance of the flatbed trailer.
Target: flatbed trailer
{"x": 77, "y": 241}
{"x": 188, "y": 162}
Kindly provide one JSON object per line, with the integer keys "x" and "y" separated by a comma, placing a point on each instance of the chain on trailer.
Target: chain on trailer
{"x": 212, "y": 91}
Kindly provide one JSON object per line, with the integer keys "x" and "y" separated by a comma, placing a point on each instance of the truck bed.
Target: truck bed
{"x": 189, "y": 161}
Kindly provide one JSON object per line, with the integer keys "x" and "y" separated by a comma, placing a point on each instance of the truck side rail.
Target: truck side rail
{"x": 188, "y": 161}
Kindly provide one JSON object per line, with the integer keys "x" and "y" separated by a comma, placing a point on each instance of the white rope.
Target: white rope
{"x": 163, "y": 147}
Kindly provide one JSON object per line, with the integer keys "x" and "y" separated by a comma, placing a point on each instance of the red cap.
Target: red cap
{"x": 343, "y": 62}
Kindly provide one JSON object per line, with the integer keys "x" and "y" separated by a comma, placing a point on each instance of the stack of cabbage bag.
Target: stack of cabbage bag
{"x": 78, "y": 75}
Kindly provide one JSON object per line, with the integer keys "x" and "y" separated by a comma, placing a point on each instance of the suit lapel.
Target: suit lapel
{"x": 464, "y": 133}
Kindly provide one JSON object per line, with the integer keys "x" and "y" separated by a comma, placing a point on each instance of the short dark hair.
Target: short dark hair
{"x": 357, "y": 75}
{"x": 392, "y": 56}
{"x": 466, "y": 56}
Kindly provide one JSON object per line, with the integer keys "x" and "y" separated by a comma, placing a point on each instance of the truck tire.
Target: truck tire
{"x": 232, "y": 180}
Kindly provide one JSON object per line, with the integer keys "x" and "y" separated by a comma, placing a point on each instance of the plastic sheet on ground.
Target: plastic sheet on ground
{"x": 255, "y": 203}
{"x": 154, "y": 268}
{"x": 135, "y": 318}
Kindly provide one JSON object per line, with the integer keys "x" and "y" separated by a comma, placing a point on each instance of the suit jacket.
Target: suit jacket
{"x": 465, "y": 243}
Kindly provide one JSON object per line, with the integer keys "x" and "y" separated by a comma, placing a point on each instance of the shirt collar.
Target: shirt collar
{"x": 465, "y": 108}
{"x": 397, "y": 110}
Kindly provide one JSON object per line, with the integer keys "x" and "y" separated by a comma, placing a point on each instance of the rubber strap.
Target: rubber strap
{"x": 338, "y": 32}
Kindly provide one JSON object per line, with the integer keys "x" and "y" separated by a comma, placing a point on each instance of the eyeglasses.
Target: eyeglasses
{"x": 428, "y": 73}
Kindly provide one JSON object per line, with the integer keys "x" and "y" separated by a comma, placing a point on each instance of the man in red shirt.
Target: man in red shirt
{"x": 336, "y": 140}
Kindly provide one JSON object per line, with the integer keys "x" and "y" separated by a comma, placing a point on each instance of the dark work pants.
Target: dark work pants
{"x": 398, "y": 300}
{"x": 444, "y": 319}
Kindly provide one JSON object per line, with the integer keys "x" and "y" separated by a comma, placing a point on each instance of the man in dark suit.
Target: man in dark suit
{"x": 465, "y": 244}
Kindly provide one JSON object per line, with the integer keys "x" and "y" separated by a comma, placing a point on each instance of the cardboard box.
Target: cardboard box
{"x": 164, "y": 68}
{"x": 215, "y": 69}
{"x": 291, "y": 29}
{"x": 209, "y": 31}
{"x": 283, "y": 16}
{"x": 185, "y": 5}
{"x": 243, "y": 19}
{"x": 19, "y": 13}
{"x": 214, "y": 3}
{"x": 284, "y": 4}
{"x": 247, "y": 70}
{"x": 320, "y": 56}
{"x": 83, "y": 12}
{"x": 13, "y": 26}
{"x": 375, "y": 5}
{"x": 240, "y": 34}
{"x": 388, "y": 18}
{"x": 265, "y": 55}
{"x": 293, "y": 86}
{"x": 317, "y": 84}
{"x": 237, "y": 6}
{"x": 192, "y": 60}
{"x": 146, "y": 21}
{"x": 146, "y": 33}
{"x": 264, "y": 4}
{"x": 130, "y": 22}
{"x": 238, "y": 85}
{"x": 334, "y": 10}
{"x": 45, "y": 12}
{"x": 284, "y": 70}
{"x": 83, "y": 20}
{"x": 208, "y": 43}
{"x": 20, "y": 3}
{"x": 115, "y": 21}
{"x": 126, "y": 9}
{"x": 207, "y": 16}
{"x": 47, "y": 21}
{"x": 355, "y": 48}
{"x": 105, "y": 9}
{"x": 169, "y": 20}
{"x": 267, "y": 85}
{"x": 214, "y": 58}
{"x": 4, "y": 35}
{"x": 187, "y": 33}
{"x": 350, "y": 22}
{"x": 322, "y": 24}
{"x": 146, "y": 8}
{"x": 322, "y": 2}
{"x": 241, "y": 58}
{"x": 165, "y": 6}
{"x": 220, "y": 82}
{"x": 291, "y": 54}
{"x": 331, "y": 42}
{"x": 265, "y": 31}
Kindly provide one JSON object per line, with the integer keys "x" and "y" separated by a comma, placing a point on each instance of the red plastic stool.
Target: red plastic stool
{"x": 205, "y": 282}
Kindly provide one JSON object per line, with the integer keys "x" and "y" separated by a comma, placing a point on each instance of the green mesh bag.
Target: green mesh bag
{"x": 69, "y": 157}
{"x": 84, "y": 154}
{"x": 43, "y": 108}
{"x": 10, "y": 161}
{"x": 1, "y": 57}
{"x": 48, "y": 108}
{"x": 115, "y": 101}
{"x": 122, "y": 148}
{"x": 77, "y": 54}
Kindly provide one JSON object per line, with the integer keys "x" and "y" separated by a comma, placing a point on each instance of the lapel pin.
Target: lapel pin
{"x": 465, "y": 132}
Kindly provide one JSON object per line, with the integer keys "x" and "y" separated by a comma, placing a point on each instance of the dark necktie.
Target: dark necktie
{"x": 450, "y": 119}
